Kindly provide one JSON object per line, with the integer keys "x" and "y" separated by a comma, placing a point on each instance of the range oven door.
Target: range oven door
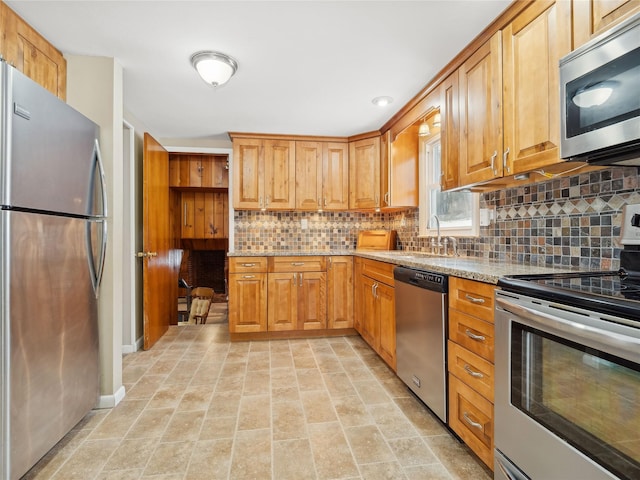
{"x": 567, "y": 400}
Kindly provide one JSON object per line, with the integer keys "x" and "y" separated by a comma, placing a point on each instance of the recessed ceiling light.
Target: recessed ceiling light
{"x": 382, "y": 101}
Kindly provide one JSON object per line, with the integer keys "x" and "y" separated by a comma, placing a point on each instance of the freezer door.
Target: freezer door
{"x": 50, "y": 158}
{"x": 52, "y": 347}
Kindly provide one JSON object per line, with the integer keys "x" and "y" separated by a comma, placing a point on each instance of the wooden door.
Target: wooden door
{"x": 340, "y": 292}
{"x": 312, "y": 301}
{"x": 450, "y": 132}
{"x": 387, "y": 315}
{"x": 364, "y": 173}
{"x": 282, "y": 298}
{"x": 248, "y": 174}
{"x": 592, "y": 17}
{"x": 481, "y": 114}
{"x": 335, "y": 176}
{"x": 308, "y": 175}
{"x": 532, "y": 45}
{"x": 247, "y": 302}
{"x": 162, "y": 261}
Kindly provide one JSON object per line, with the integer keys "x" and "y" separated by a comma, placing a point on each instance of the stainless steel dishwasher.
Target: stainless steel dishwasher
{"x": 421, "y": 319}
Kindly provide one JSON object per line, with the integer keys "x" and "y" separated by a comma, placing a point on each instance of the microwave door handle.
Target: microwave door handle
{"x": 601, "y": 338}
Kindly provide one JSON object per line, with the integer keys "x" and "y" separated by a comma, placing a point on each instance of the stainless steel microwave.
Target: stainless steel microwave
{"x": 600, "y": 98}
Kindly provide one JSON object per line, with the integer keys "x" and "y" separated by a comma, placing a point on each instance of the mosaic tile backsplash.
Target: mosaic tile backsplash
{"x": 564, "y": 221}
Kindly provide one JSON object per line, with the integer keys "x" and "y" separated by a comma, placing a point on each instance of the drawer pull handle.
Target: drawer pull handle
{"x": 297, "y": 264}
{"x": 467, "y": 419}
{"x": 248, "y": 264}
{"x": 474, "y": 299}
{"x": 248, "y": 276}
{"x": 473, "y": 336}
{"x": 473, "y": 373}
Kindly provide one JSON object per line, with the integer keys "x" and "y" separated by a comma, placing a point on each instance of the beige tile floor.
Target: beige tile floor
{"x": 200, "y": 407}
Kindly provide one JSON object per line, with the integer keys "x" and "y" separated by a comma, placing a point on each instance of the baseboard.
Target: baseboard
{"x": 110, "y": 401}
{"x": 132, "y": 348}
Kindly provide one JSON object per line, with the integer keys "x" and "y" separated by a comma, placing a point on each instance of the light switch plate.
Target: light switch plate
{"x": 304, "y": 224}
{"x": 630, "y": 235}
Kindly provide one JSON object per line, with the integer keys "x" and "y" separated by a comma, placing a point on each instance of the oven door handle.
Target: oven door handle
{"x": 599, "y": 338}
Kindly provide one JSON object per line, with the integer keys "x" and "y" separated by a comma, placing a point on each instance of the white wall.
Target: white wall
{"x": 94, "y": 87}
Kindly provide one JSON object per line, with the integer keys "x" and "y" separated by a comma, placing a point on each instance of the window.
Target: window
{"x": 458, "y": 212}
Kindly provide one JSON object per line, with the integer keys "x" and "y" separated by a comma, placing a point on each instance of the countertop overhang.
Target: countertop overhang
{"x": 483, "y": 270}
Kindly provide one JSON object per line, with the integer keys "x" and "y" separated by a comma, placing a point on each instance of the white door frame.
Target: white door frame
{"x": 130, "y": 343}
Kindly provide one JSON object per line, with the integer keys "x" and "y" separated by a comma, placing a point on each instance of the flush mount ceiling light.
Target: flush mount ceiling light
{"x": 382, "y": 101}
{"x": 215, "y": 68}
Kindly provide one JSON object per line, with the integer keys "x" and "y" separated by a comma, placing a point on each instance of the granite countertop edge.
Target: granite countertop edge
{"x": 472, "y": 268}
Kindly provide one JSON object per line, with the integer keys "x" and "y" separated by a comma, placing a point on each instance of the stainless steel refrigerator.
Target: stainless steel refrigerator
{"x": 53, "y": 240}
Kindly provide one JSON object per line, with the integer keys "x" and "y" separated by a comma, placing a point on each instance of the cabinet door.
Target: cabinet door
{"x": 248, "y": 174}
{"x": 364, "y": 173}
{"x": 340, "y": 292}
{"x": 32, "y": 54}
{"x": 312, "y": 301}
{"x": 450, "y": 132}
{"x": 335, "y": 176}
{"x": 402, "y": 187}
{"x": 387, "y": 319}
{"x": 280, "y": 174}
{"x": 369, "y": 328}
{"x": 219, "y": 171}
{"x": 247, "y": 302}
{"x": 187, "y": 229}
{"x": 591, "y": 17}
{"x": 308, "y": 175}
{"x": 282, "y": 294}
{"x": 481, "y": 114}
{"x": 532, "y": 45}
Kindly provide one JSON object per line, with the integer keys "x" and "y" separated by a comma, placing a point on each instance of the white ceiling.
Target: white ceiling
{"x": 305, "y": 67}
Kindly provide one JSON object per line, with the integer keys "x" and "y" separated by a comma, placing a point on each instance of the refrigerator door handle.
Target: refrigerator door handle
{"x": 97, "y": 269}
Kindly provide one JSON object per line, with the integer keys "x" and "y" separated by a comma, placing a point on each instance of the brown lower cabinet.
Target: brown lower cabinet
{"x": 296, "y": 295}
{"x": 471, "y": 364}
{"x": 375, "y": 307}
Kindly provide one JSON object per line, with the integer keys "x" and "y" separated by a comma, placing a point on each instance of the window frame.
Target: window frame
{"x": 428, "y": 183}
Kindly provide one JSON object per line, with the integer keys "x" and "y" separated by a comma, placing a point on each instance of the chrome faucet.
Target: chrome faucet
{"x": 439, "y": 240}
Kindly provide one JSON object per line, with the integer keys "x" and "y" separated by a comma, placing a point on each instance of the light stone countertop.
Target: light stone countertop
{"x": 473, "y": 268}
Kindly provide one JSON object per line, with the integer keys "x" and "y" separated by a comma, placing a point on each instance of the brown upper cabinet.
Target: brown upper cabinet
{"x": 28, "y": 51}
{"x": 322, "y": 175}
{"x": 399, "y": 169}
{"x": 592, "y": 17}
{"x": 450, "y": 132}
{"x": 509, "y": 105}
{"x": 263, "y": 174}
{"x": 364, "y": 173}
{"x": 198, "y": 170}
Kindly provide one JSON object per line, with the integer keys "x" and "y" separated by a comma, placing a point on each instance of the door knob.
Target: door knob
{"x": 146, "y": 254}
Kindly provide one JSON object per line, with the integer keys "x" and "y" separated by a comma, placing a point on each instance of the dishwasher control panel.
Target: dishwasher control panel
{"x": 421, "y": 278}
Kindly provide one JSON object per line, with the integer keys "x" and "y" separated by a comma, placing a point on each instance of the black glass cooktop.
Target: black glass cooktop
{"x": 612, "y": 292}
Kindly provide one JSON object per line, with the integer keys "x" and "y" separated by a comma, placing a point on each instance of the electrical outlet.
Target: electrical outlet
{"x": 304, "y": 224}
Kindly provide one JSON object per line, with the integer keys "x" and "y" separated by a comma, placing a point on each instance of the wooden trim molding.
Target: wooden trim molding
{"x": 278, "y": 136}
{"x": 500, "y": 22}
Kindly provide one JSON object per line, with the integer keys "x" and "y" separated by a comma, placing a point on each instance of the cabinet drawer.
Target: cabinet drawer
{"x": 473, "y": 370}
{"x": 247, "y": 264}
{"x": 472, "y": 297}
{"x": 297, "y": 264}
{"x": 380, "y": 271}
{"x": 471, "y": 417}
{"x": 472, "y": 333}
